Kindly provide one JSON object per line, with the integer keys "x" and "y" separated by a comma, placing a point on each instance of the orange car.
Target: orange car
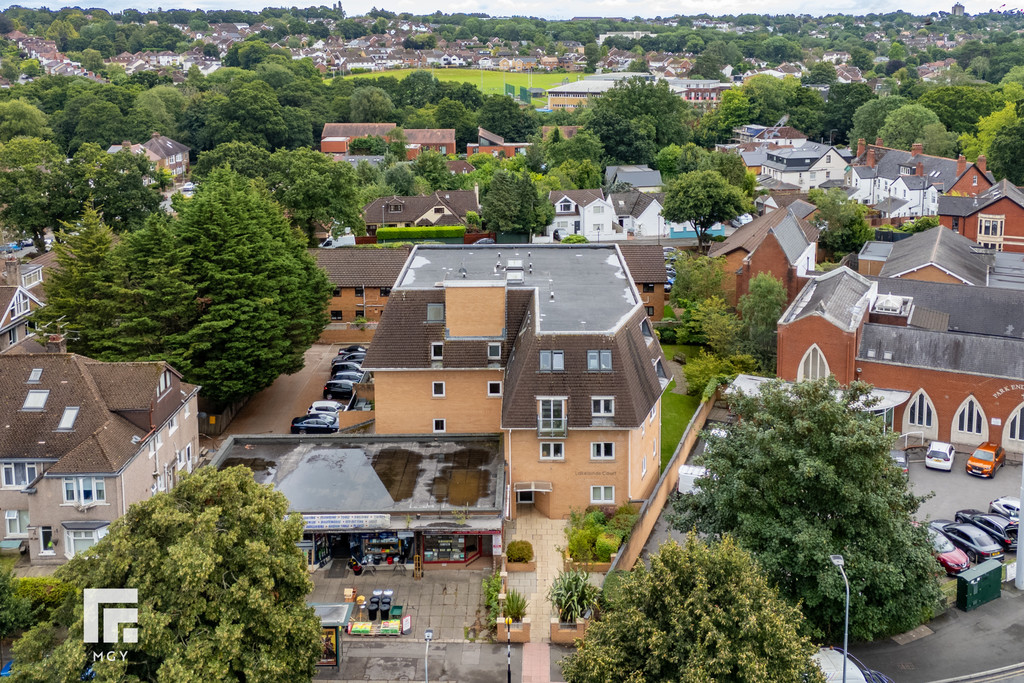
{"x": 986, "y": 459}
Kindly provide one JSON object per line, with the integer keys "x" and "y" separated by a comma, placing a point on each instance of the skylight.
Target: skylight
{"x": 33, "y": 377}
{"x": 36, "y": 400}
{"x": 67, "y": 420}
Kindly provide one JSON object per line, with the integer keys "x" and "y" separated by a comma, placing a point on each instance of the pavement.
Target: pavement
{"x": 405, "y": 661}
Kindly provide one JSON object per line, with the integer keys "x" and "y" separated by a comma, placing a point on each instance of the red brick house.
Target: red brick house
{"x": 337, "y": 137}
{"x": 440, "y": 140}
{"x": 362, "y": 279}
{"x": 995, "y": 218}
{"x": 646, "y": 263}
{"x": 495, "y": 145}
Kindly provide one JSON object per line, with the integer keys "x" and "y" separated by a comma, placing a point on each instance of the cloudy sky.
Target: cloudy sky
{"x": 565, "y": 9}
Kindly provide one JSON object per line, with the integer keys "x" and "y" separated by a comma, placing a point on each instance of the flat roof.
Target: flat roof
{"x": 362, "y": 474}
{"x": 579, "y": 287}
{"x": 875, "y": 251}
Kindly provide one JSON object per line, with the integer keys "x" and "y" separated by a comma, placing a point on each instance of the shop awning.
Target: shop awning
{"x": 538, "y": 486}
{"x": 84, "y": 526}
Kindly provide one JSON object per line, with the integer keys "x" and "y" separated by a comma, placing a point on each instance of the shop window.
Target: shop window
{"x": 450, "y": 548}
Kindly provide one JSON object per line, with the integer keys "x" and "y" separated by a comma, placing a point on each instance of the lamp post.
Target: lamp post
{"x": 838, "y": 561}
{"x": 508, "y": 637}
{"x": 1018, "y": 580}
{"x": 428, "y": 636}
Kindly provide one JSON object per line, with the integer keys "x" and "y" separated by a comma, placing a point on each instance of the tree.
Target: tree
{"x": 512, "y": 204}
{"x": 938, "y": 141}
{"x": 697, "y": 278}
{"x": 28, "y": 168}
{"x": 115, "y": 183}
{"x": 718, "y": 325}
{"x": 15, "y": 610}
{"x": 905, "y": 126}
{"x": 1004, "y": 156}
{"x": 988, "y": 127}
{"x": 707, "y": 371}
{"x": 703, "y": 611}
{"x": 703, "y": 198}
{"x": 820, "y": 73}
{"x": 582, "y": 146}
{"x": 20, "y": 118}
{"x": 806, "y": 473}
{"x": 432, "y": 167}
{"x": 959, "y": 107}
{"x": 843, "y": 101}
{"x": 222, "y": 589}
{"x": 244, "y": 158}
{"x": 734, "y": 111}
{"x": 870, "y": 116}
{"x": 844, "y": 229}
{"x": 761, "y": 308}
{"x": 370, "y": 105}
{"x": 315, "y": 191}
{"x": 636, "y": 118}
{"x": 503, "y": 116}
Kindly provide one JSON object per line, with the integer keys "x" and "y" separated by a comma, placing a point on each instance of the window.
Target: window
{"x": 648, "y": 288}
{"x": 337, "y": 291}
{"x": 602, "y": 495}
{"x": 565, "y": 207}
{"x": 436, "y": 350}
{"x": 17, "y": 522}
{"x": 438, "y": 426}
{"x": 46, "y": 540}
{"x": 385, "y": 291}
{"x": 437, "y": 389}
{"x": 84, "y": 490}
{"x": 36, "y": 399}
{"x": 164, "y": 383}
{"x": 80, "y": 541}
{"x": 337, "y": 315}
{"x": 552, "y": 361}
{"x": 598, "y": 210}
{"x": 974, "y": 180}
{"x": 435, "y": 313}
{"x": 494, "y": 388}
{"x": 21, "y": 305}
{"x": 360, "y": 292}
{"x": 12, "y": 336}
{"x": 19, "y": 474}
{"x": 172, "y": 426}
{"x": 599, "y": 361}
{"x": 67, "y": 420}
{"x": 552, "y": 450}
{"x": 552, "y": 420}
{"x": 920, "y": 411}
{"x": 645, "y": 328}
{"x": 649, "y": 310}
{"x": 813, "y": 365}
{"x": 33, "y": 377}
{"x": 360, "y": 313}
{"x": 643, "y": 466}
{"x": 604, "y": 450}
{"x": 1016, "y": 424}
{"x": 494, "y": 351}
{"x": 970, "y": 419}
{"x": 601, "y": 406}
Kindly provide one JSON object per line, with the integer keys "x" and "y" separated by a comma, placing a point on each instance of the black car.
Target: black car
{"x": 338, "y": 388}
{"x": 351, "y": 349}
{"x": 317, "y": 423}
{"x": 1003, "y": 529}
{"x": 355, "y": 357}
{"x": 354, "y": 376}
{"x": 976, "y": 543}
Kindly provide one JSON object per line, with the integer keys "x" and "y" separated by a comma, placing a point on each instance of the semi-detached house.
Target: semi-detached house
{"x": 805, "y": 167}
{"x": 584, "y": 212}
{"x": 547, "y": 345}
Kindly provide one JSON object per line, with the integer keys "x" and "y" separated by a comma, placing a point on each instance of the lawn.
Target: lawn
{"x": 7, "y": 561}
{"x": 688, "y": 350}
{"x": 676, "y": 412}
{"x": 488, "y": 81}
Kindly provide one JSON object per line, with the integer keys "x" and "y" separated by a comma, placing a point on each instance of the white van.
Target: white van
{"x": 688, "y": 475}
{"x": 830, "y": 661}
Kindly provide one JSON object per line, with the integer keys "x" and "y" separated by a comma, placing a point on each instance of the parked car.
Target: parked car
{"x": 318, "y": 423}
{"x": 354, "y": 357}
{"x": 1007, "y": 506}
{"x": 348, "y": 366}
{"x": 952, "y": 559}
{"x": 899, "y": 459}
{"x": 327, "y": 407}
{"x": 940, "y": 456}
{"x": 351, "y": 349}
{"x": 1003, "y": 529}
{"x": 354, "y": 376}
{"x": 986, "y": 459}
{"x": 338, "y": 388}
{"x": 486, "y": 240}
{"x": 740, "y": 221}
{"x": 976, "y": 543}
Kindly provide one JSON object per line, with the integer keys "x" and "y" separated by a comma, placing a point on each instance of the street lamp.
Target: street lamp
{"x": 428, "y": 636}
{"x": 508, "y": 637}
{"x": 838, "y": 561}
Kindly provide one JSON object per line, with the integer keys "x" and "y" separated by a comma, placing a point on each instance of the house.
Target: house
{"x": 444, "y": 207}
{"x": 836, "y": 56}
{"x": 362, "y": 280}
{"x": 85, "y": 440}
{"x": 646, "y": 263}
{"x": 950, "y": 356}
{"x": 936, "y": 255}
{"x": 171, "y": 155}
{"x": 565, "y": 132}
{"x": 440, "y": 140}
{"x": 583, "y": 212}
{"x": 639, "y": 213}
{"x": 804, "y": 167}
{"x": 459, "y": 167}
{"x": 641, "y": 176}
{"x": 495, "y": 145}
{"x": 779, "y": 243}
{"x": 478, "y": 340}
{"x": 993, "y": 219}
{"x": 21, "y": 292}
{"x": 336, "y": 137}
{"x": 784, "y": 136}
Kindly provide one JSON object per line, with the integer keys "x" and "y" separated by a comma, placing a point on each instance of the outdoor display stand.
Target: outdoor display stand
{"x": 332, "y": 618}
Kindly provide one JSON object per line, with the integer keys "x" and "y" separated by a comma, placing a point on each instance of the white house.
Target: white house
{"x": 584, "y": 212}
{"x": 806, "y": 166}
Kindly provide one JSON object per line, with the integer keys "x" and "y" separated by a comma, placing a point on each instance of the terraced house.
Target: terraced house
{"x": 548, "y": 345}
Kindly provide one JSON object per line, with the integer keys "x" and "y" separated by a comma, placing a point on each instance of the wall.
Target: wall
{"x": 733, "y": 263}
{"x": 929, "y": 274}
{"x": 404, "y": 404}
{"x": 839, "y": 347}
{"x": 347, "y": 333}
{"x": 1013, "y": 231}
{"x": 371, "y": 304}
{"x": 970, "y": 183}
{"x": 768, "y": 258}
{"x": 657, "y": 299}
{"x": 475, "y": 311}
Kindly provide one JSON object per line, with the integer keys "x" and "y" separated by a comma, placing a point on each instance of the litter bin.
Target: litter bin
{"x": 385, "y": 609}
{"x": 373, "y": 608}
{"x": 978, "y": 585}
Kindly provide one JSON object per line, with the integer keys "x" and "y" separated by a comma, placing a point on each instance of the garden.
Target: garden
{"x": 595, "y": 534}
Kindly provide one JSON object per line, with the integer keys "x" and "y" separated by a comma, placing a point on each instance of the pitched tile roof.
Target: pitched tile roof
{"x": 361, "y": 267}
{"x": 939, "y": 171}
{"x": 841, "y": 297}
{"x": 945, "y": 350}
{"x": 579, "y": 197}
{"x": 632, "y": 203}
{"x": 646, "y": 262}
{"x": 412, "y": 209}
{"x": 966, "y": 206}
{"x": 430, "y": 136}
{"x": 357, "y": 130}
{"x": 635, "y": 175}
{"x": 164, "y": 147}
{"x": 942, "y": 248}
{"x": 749, "y": 237}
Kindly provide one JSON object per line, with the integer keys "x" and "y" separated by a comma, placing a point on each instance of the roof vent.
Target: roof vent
{"x": 887, "y": 355}
{"x": 462, "y": 272}
{"x": 552, "y": 297}
{"x": 871, "y": 353}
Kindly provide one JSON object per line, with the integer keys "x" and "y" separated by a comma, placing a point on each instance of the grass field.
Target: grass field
{"x": 489, "y": 82}
{"x": 676, "y": 411}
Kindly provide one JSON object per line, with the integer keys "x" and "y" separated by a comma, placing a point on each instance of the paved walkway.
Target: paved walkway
{"x": 546, "y": 535}
{"x": 536, "y": 663}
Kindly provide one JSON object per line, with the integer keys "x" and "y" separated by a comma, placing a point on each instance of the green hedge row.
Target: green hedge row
{"x": 424, "y": 232}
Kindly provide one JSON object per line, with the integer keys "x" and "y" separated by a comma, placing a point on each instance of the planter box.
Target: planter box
{"x": 520, "y": 631}
{"x": 566, "y": 634}
{"x": 600, "y": 567}
{"x": 521, "y": 566}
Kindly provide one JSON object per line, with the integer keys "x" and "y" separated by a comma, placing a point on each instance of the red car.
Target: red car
{"x": 952, "y": 559}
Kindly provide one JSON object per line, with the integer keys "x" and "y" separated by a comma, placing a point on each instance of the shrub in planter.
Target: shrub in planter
{"x": 515, "y": 605}
{"x": 623, "y": 521}
{"x": 581, "y": 543}
{"x": 573, "y": 595}
{"x": 492, "y": 586}
{"x": 519, "y": 551}
{"x": 605, "y": 545}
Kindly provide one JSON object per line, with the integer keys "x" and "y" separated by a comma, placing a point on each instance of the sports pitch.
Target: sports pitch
{"x": 489, "y": 81}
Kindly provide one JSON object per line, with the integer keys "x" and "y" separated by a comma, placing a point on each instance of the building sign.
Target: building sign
{"x": 345, "y": 522}
{"x": 1006, "y": 389}
{"x": 329, "y": 646}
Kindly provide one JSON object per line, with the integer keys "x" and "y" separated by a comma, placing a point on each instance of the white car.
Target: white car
{"x": 328, "y": 407}
{"x": 940, "y": 456}
{"x": 1007, "y": 506}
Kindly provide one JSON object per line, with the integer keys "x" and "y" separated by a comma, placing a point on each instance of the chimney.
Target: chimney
{"x": 12, "y": 271}
{"x": 860, "y": 148}
{"x": 476, "y": 193}
{"x": 916, "y": 148}
{"x": 55, "y": 343}
{"x": 981, "y": 163}
{"x": 878, "y": 142}
{"x": 961, "y": 165}
{"x": 920, "y": 168}
{"x": 870, "y": 161}
{"x": 155, "y": 135}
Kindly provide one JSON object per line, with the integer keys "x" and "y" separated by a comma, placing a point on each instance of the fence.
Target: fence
{"x": 651, "y": 510}
{"x": 214, "y": 420}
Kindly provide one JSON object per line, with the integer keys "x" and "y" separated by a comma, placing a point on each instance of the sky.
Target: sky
{"x": 565, "y": 9}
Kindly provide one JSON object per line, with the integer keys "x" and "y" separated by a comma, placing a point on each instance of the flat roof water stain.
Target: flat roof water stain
{"x": 399, "y": 470}
{"x": 462, "y": 478}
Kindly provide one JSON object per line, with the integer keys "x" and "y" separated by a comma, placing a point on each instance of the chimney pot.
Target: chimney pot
{"x": 860, "y": 148}
{"x": 961, "y": 165}
{"x": 55, "y": 343}
{"x": 916, "y": 148}
{"x": 878, "y": 142}
{"x": 981, "y": 163}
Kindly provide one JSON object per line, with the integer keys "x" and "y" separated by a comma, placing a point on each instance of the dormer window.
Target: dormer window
{"x": 33, "y": 377}
{"x": 165, "y": 382}
{"x": 565, "y": 206}
{"x": 395, "y": 208}
{"x": 36, "y": 399}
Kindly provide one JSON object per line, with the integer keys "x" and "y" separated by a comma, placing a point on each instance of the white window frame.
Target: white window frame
{"x": 814, "y": 355}
{"x": 602, "y": 450}
{"x": 188, "y": 410}
{"x": 490, "y": 388}
{"x": 79, "y": 485}
{"x": 67, "y": 419}
{"x": 552, "y": 450}
{"x": 643, "y": 466}
{"x": 436, "y": 350}
{"x": 969, "y": 420}
{"x": 36, "y": 399}
{"x": 21, "y": 521}
{"x": 10, "y": 474}
{"x": 603, "y": 499}
{"x": 172, "y": 425}
{"x": 164, "y": 383}
{"x": 437, "y": 389}
{"x": 602, "y": 406}
{"x": 443, "y": 424}
{"x": 494, "y": 351}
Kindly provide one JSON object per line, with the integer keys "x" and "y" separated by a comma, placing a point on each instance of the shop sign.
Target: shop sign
{"x": 496, "y": 543}
{"x": 1006, "y": 389}
{"x": 343, "y": 522}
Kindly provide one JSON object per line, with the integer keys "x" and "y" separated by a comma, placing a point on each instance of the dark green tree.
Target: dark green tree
{"x": 701, "y": 612}
{"x": 512, "y": 204}
{"x": 959, "y": 107}
{"x": 843, "y": 100}
{"x": 905, "y": 126}
{"x": 702, "y": 198}
{"x": 870, "y": 117}
{"x": 222, "y": 590}
{"x": 804, "y": 474}
{"x": 503, "y": 116}
{"x": 244, "y": 158}
{"x": 315, "y": 191}
{"x": 583, "y": 145}
{"x": 636, "y": 118}
{"x": 1004, "y": 157}
{"x": 29, "y": 165}
{"x": 118, "y": 185}
{"x": 15, "y": 610}
{"x": 432, "y": 167}
{"x": 20, "y": 118}
{"x": 844, "y": 229}
{"x": 761, "y": 307}
{"x": 370, "y": 105}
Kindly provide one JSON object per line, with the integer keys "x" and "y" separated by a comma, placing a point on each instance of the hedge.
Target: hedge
{"x": 45, "y": 592}
{"x": 425, "y": 232}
